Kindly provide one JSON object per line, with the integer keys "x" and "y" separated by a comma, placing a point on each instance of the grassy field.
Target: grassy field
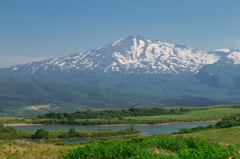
{"x": 223, "y": 136}
{"x": 207, "y": 107}
{"x": 209, "y": 113}
{"x": 194, "y": 114}
{"x": 226, "y": 136}
{"x": 2, "y": 119}
{"x": 51, "y": 132}
{"x": 59, "y": 132}
{"x": 20, "y": 149}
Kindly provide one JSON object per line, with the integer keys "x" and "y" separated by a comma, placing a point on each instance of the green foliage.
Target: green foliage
{"x": 98, "y": 134}
{"x": 224, "y": 123}
{"x": 10, "y": 133}
{"x": 7, "y": 129}
{"x": 41, "y": 134}
{"x": 7, "y": 132}
{"x": 72, "y": 132}
{"x": 55, "y": 142}
{"x": 228, "y": 122}
{"x": 120, "y": 114}
{"x": 143, "y": 147}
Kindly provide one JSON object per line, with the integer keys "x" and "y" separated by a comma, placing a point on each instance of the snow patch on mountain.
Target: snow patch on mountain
{"x": 235, "y": 56}
{"x": 223, "y": 50}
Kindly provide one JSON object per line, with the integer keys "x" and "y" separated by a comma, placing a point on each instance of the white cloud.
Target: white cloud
{"x": 6, "y": 61}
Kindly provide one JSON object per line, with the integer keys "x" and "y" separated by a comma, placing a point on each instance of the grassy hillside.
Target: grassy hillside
{"x": 132, "y": 116}
{"x": 225, "y": 136}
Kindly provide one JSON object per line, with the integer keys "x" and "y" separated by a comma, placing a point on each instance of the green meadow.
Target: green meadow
{"x": 194, "y": 114}
{"x": 211, "y": 113}
{"x": 59, "y": 132}
{"x": 225, "y": 136}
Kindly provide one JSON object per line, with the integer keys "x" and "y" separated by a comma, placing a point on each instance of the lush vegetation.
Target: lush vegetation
{"x": 8, "y": 133}
{"x": 223, "y": 136}
{"x": 105, "y": 114}
{"x": 45, "y": 149}
{"x": 30, "y": 99}
{"x": 123, "y": 116}
{"x": 224, "y": 123}
{"x": 157, "y": 146}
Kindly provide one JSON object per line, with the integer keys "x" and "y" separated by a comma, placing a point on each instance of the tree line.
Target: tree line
{"x": 105, "y": 114}
{"x": 224, "y": 123}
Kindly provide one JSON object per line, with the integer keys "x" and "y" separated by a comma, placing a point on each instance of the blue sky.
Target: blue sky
{"x": 36, "y": 30}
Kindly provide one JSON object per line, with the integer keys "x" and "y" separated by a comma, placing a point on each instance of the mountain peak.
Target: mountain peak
{"x": 133, "y": 54}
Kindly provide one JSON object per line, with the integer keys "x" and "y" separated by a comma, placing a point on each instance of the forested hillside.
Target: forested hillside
{"x": 31, "y": 99}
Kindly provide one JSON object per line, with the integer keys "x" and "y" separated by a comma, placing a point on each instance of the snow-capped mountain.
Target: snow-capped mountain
{"x": 133, "y": 54}
{"x": 141, "y": 65}
{"x": 223, "y": 73}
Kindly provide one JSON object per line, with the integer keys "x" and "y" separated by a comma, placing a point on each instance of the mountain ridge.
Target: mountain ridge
{"x": 134, "y": 54}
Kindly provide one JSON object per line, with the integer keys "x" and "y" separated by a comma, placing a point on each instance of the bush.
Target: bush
{"x": 72, "y": 132}
{"x": 142, "y": 147}
{"x": 41, "y": 134}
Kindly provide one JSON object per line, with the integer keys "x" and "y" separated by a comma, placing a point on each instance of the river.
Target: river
{"x": 151, "y": 129}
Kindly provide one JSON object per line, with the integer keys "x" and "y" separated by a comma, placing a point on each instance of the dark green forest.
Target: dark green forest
{"x": 105, "y": 114}
{"x": 16, "y": 97}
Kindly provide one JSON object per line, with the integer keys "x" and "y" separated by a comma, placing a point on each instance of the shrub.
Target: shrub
{"x": 41, "y": 134}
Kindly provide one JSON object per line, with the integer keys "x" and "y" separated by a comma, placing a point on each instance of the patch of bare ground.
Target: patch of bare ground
{"x": 39, "y": 107}
{"x": 164, "y": 152}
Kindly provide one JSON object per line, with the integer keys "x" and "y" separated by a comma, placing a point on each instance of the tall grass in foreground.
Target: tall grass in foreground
{"x": 26, "y": 150}
{"x": 157, "y": 146}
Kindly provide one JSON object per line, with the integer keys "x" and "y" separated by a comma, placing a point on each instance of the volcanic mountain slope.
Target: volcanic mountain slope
{"x": 224, "y": 73}
{"x": 141, "y": 65}
{"x": 134, "y": 54}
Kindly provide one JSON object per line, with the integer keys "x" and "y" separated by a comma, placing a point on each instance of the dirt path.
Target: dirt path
{"x": 21, "y": 124}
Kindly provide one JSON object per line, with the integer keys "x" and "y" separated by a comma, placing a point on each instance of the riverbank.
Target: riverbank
{"x": 21, "y": 124}
{"x": 159, "y": 124}
{"x": 81, "y": 138}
